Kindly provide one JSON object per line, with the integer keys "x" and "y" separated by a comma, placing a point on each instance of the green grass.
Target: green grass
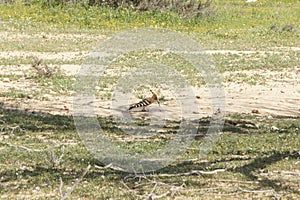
{"x": 247, "y": 154}
{"x": 233, "y": 25}
{"x": 60, "y": 43}
{"x": 28, "y": 60}
{"x": 260, "y": 161}
{"x": 14, "y": 93}
{"x": 257, "y": 61}
{"x": 56, "y": 85}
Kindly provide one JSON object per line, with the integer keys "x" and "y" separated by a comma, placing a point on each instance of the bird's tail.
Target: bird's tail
{"x": 143, "y": 103}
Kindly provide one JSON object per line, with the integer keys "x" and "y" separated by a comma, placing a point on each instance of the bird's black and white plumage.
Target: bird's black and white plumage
{"x": 145, "y": 102}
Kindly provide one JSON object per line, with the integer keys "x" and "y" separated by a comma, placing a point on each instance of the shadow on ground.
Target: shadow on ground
{"x": 35, "y": 122}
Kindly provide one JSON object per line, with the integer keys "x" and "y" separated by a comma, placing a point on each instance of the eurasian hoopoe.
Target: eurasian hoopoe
{"x": 145, "y": 102}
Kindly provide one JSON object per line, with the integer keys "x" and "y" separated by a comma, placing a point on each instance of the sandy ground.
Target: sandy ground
{"x": 279, "y": 95}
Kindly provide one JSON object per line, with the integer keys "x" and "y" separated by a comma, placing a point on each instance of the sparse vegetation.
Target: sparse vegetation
{"x": 41, "y": 153}
{"x": 46, "y": 147}
{"x": 185, "y": 8}
{"x": 43, "y": 70}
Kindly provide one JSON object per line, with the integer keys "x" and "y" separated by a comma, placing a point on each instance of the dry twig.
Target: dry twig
{"x": 54, "y": 159}
{"x": 42, "y": 70}
{"x": 15, "y": 129}
{"x": 20, "y": 147}
{"x": 173, "y": 189}
{"x": 154, "y": 196}
{"x": 110, "y": 166}
{"x": 60, "y": 187}
{"x": 272, "y": 191}
{"x": 63, "y": 197}
{"x": 193, "y": 172}
{"x": 237, "y": 181}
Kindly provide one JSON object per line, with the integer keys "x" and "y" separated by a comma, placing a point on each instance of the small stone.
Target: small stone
{"x": 46, "y": 96}
{"x": 21, "y": 79}
{"x": 274, "y": 128}
{"x": 5, "y": 80}
{"x": 198, "y": 97}
{"x": 53, "y": 92}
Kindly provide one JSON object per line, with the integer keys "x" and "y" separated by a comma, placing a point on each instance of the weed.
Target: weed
{"x": 44, "y": 70}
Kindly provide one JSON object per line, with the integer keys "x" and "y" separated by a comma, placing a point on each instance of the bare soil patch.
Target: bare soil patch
{"x": 278, "y": 94}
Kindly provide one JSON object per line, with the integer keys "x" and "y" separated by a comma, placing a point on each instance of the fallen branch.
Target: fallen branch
{"x": 206, "y": 190}
{"x": 215, "y": 190}
{"x": 20, "y": 147}
{"x": 237, "y": 181}
{"x": 60, "y": 187}
{"x": 134, "y": 192}
{"x": 253, "y": 191}
{"x": 193, "y": 172}
{"x": 173, "y": 189}
{"x": 154, "y": 196}
{"x": 54, "y": 159}
{"x": 15, "y": 129}
{"x": 74, "y": 185}
{"x": 287, "y": 172}
{"x": 110, "y": 166}
{"x": 274, "y": 194}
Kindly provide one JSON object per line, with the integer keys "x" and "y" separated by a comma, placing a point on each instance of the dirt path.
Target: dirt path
{"x": 278, "y": 95}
